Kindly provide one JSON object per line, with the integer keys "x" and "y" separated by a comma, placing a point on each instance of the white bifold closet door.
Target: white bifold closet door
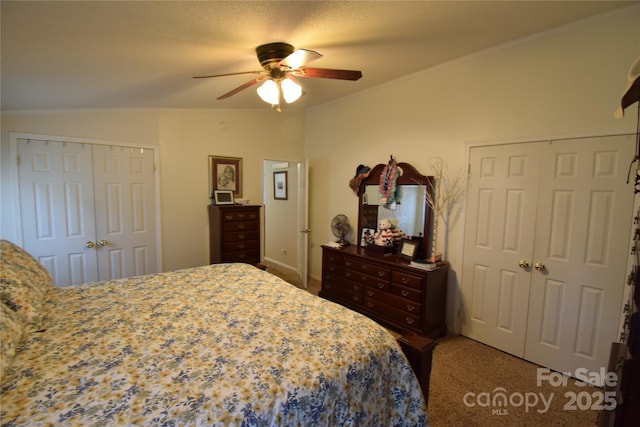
{"x": 88, "y": 210}
{"x": 546, "y": 245}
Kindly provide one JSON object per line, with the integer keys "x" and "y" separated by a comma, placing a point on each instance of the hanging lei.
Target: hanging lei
{"x": 388, "y": 179}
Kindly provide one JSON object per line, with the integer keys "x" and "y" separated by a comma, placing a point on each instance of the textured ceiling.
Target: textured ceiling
{"x": 142, "y": 54}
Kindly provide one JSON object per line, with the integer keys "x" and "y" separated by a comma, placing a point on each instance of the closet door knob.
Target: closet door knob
{"x": 89, "y": 244}
{"x": 103, "y": 243}
{"x": 524, "y": 264}
{"x": 539, "y": 266}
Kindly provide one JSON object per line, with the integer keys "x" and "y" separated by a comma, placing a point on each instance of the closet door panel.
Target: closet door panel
{"x": 582, "y": 239}
{"x": 501, "y": 206}
{"x": 56, "y": 204}
{"x": 125, "y": 197}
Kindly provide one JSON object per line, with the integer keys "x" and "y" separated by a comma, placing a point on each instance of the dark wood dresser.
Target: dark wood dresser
{"x": 234, "y": 234}
{"x": 387, "y": 289}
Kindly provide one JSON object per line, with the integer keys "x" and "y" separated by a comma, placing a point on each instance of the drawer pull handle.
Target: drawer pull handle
{"x": 380, "y": 285}
{"x": 370, "y": 305}
{"x": 404, "y": 280}
{"x": 242, "y": 256}
{"x": 348, "y": 263}
{"x": 381, "y": 273}
{"x": 347, "y": 273}
{"x": 356, "y": 298}
{"x": 241, "y": 236}
{"x": 404, "y": 293}
{"x": 410, "y": 307}
{"x": 228, "y": 217}
{"x": 409, "y": 321}
{"x": 370, "y": 293}
{"x": 241, "y": 246}
{"x": 356, "y": 288}
{"x": 240, "y": 226}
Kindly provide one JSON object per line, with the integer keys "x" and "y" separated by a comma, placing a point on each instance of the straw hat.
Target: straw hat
{"x": 632, "y": 93}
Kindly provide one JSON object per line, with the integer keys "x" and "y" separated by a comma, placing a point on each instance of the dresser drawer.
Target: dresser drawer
{"x": 332, "y": 278}
{"x": 406, "y": 293}
{"x": 404, "y": 304}
{"x": 240, "y": 235}
{"x": 370, "y": 269}
{"x": 250, "y": 256}
{"x": 352, "y": 292}
{"x": 240, "y": 215}
{"x": 365, "y": 279}
{"x": 400, "y": 316}
{"x": 240, "y": 226}
{"x": 331, "y": 258}
{"x": 332, "y": 268}
{"x": 240, "y": 245}
{"x": 405, "y": 279}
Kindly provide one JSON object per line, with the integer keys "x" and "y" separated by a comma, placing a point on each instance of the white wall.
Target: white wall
{"x": 185, "y": 139}
{"x": 565, "y": 82}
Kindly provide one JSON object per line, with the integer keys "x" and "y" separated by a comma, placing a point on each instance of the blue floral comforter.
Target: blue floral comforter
{"x": 223, "y": 345}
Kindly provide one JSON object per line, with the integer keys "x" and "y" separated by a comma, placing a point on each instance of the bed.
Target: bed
{"x": 225, "y": 344}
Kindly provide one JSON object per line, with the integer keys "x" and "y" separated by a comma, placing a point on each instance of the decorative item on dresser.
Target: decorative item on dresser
{"x": 234, "y": 234}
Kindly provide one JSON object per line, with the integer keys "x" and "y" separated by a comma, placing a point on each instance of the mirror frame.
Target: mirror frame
{"x": 410, "y": 176}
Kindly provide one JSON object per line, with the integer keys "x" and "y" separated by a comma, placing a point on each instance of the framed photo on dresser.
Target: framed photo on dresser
{"x": 223, "y": 197}
{"x": 408, "y": 248}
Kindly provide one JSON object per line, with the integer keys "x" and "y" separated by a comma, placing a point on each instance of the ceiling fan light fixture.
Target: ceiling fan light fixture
{"x": 291, "y": 90}
{"x": 269, "y": 92}
{"x": 280, "y": 61}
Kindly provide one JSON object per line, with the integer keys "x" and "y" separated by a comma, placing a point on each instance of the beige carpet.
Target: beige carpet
{"x": 462, "y": 367}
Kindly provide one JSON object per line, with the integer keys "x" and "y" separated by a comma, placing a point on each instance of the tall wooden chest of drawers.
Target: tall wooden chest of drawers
{"x": 387, "y": 289}
{"x": 234, "y": 233}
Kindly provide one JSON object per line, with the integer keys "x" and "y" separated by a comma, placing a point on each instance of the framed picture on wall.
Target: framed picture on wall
{"x": 280, "y": 185}
{"x": 225, "y": 173}
{"x": 223, "y": 197}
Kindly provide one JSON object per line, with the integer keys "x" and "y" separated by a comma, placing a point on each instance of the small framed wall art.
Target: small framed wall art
{"x": 223, "y": 197}
{"x": 225, "y": 173}
{"x": 280, "y": 185}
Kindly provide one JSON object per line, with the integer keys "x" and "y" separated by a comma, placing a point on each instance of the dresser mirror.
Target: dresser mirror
{"x": 412, "y": 211}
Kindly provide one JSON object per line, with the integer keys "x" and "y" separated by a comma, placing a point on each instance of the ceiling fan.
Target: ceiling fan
{"x": 281, "y": 62}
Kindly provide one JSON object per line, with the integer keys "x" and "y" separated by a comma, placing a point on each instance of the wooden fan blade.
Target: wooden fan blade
{"x": 229, "y": 74}
{"x": 327, "y": 73}
{"x": 244, "y": 86}
{"x": 299, "y": 58}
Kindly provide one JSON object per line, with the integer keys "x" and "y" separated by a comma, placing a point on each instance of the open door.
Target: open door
{"x": 286, "y": 216}
{"x": 303, "y": 221}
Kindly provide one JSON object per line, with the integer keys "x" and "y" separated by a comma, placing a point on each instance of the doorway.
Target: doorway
{"x": 285, "y": 195}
